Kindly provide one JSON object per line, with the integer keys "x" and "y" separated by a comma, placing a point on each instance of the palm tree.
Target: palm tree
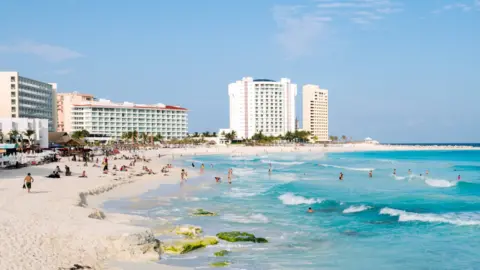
{"x": 214, "y": 134}
{"x": 315, "y": 139}
{"x": 13, "y": 134}
{"x": 143, "y": 137}
{"x": 134, "y": 136}
{"x": 80, "y": 134}
{"x": 29, "y": 133}
{"x": 157, "y": 138}
{"x": 206, "y": 134}
{"x": 344, "y": 138}
{"x": 195, "y": 134}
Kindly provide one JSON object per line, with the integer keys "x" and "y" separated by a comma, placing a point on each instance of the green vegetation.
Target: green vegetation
{"x": 185, "y": 246}
{"x": 220, "y": 264}
{"x": 80, "y": 134}
{"x": 221, "y": 253}
{"x": 240, "y": 237}
{"x": 201, "y": 212}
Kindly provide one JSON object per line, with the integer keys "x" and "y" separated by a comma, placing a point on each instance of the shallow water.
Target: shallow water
{"x": 385, "y": 222}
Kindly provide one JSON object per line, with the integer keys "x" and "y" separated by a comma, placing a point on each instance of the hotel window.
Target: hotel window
{"x": 12, "y": 79}
{"x": 12, "y": 86}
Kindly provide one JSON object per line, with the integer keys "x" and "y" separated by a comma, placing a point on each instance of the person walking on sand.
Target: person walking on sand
{"x": 28, "y": 182}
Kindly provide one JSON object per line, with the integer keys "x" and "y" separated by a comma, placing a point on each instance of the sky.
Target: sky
{"x": 396, "y": 70}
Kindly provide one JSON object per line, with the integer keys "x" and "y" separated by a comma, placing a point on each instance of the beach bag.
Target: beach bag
{"x": 24, "y": 187}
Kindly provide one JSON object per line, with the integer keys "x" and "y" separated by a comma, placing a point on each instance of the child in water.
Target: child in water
{"x": 341, "y": 176}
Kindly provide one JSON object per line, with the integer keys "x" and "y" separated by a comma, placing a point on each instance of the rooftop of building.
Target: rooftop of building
{"x": 105, "y": 103}
{"x": 263, "y": 80}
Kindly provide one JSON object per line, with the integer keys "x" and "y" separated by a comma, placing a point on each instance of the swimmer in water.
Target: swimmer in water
{"x": 458, "y": 178}
{"x": 310, "y": 210}
{"x": 341, "y": 176}
{"x": 370, "y": 174}
{"x": 409, "y": 171}
{"x": 217, "y": 179}
{"x": 426, "y": 172}
{"x": 394, "y": 171}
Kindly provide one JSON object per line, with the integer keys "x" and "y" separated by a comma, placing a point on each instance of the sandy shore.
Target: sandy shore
{"x": 47, "y": 229}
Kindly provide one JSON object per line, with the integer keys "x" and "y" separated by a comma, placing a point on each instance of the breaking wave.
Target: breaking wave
{"x": 356, "y": 209}
{"x": 463, "y": 219}
{"x": 255, "y": 218}
{"x": 347, "y": 168}
{"x": 291, "y": 199}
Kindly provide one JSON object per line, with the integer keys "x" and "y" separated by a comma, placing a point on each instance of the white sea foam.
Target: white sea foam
{"x": 348, "y": 168}
{"x": 287, "y": 163}
{"x": 356, "y": 209}
{"x": 240, "y": 193}
{"x": 464, "y": 219}
{"x": 291, "y": 199}
{"x": 255, "y": 218}
{"x": 440, "y": 183}
{"x": 399, "y": 177}
{"x": 195, "y": 199}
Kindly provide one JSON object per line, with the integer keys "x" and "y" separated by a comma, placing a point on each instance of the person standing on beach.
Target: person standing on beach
{"x": 28, "y": 182}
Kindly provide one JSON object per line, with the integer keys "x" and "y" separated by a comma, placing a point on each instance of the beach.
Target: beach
{"x": 50, "y": 228}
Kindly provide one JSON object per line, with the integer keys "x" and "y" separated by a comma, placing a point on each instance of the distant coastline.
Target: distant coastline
{"x": 434, "y": 144}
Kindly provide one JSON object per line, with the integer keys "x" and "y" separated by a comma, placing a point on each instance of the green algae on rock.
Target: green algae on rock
{"x": 201, "y": 212}
{"x": 221, "y": 253}
{"x": 240, "y": 237}
{"x": 185, "y": 246}
{"x": 220, "y": 264}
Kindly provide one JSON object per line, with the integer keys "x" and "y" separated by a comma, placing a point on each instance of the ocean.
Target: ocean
{"x": 402, "y": 221}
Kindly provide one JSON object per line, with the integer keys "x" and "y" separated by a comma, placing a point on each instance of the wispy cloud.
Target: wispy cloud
{"x": 298, "y": 30}
{"x": 64, "y": 71}
{"x": 301, "y": 26}
{"x": 465, "y": 6}
{"x": 46, "y": 51}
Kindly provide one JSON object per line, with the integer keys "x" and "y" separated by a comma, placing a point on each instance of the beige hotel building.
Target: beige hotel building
{"x": 315, "y": 111}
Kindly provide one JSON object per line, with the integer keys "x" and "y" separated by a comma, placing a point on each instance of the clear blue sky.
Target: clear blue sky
{"x": 397, "y": 70}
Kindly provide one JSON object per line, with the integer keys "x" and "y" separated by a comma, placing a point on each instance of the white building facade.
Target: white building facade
{"x": 315, "y": 111}
{"x": 114, "y": 119}
{"x": 262, "y": 105}
{"x": 21, "y": 97}
{"x": 39, "y": 126}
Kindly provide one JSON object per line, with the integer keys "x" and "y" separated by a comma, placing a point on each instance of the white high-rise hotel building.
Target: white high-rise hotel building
{"x": 22, "y": 97}
{"x": 262, "y": 105}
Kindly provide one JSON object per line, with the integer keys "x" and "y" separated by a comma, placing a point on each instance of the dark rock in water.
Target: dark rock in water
{"x": 351, "y": 233}
{"x": 97, "y": 215}
{"x": 221, "y": 253}
{"x": 240, "y": 237}
{"x": 382, "y": 222}
{"x": 76, "y": 267}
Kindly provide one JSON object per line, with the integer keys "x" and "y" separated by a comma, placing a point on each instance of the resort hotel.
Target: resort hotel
{"x": 105, "y": 118}
{"x": 262, "y": 105}
{"x": 21, "y": 97}
{"x": 315, "y": 111}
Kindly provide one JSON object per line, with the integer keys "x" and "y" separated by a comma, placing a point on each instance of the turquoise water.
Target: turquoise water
{"x": 385, "y": 222}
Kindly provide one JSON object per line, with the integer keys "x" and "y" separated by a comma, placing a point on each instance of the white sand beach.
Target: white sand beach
{"x": 50, "y": 228}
